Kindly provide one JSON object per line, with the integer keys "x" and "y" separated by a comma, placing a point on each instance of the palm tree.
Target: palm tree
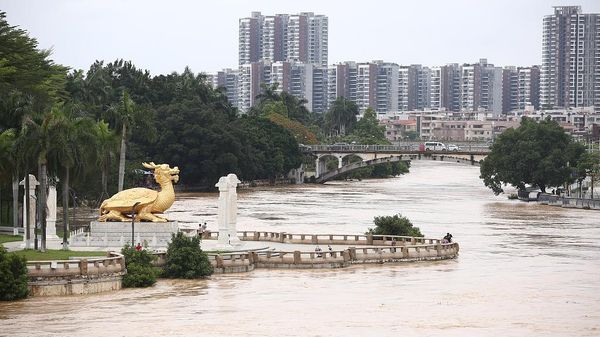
{"x": 8, "y": 170}
{"x": 74, "y": 152}
{"x": 123, "y": 114}
{"x": 341, "y": 117}
{"x": 37, "y": 140}
{"x": 106, "y": 147}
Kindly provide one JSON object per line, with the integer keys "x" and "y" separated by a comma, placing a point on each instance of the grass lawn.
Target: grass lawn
{"x": 34, "y": 255}
{"x": 10, "y": 238}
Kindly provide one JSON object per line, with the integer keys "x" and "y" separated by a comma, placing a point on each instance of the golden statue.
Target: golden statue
{"x": 143, "y": 201}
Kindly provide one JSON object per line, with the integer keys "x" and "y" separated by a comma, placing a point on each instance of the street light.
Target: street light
{"x": 133, "y": 222}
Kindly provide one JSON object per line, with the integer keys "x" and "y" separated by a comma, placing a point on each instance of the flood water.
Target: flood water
{"x": 524, "y": 270}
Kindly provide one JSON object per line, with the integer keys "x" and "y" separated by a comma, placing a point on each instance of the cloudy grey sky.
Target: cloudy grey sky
{"x": 165, "y": 36}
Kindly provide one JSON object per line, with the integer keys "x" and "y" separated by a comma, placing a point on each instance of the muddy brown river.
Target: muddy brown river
{"x": 524, "y": 270}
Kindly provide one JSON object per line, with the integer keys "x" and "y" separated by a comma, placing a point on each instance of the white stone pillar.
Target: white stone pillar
{"x": 51, "y": 238}
{"x": 15, "y": 189}
{"x": 222, "y": 214}
{"x": 232, "y": 181}
{"x": 28, "y": 244}
{"x": 339, "y": 161}
{"x": 317, "y": 168}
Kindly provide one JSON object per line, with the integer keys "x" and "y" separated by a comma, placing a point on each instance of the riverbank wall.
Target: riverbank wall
{"x": 568, "y": 202}
{"x": 77, "y": 276}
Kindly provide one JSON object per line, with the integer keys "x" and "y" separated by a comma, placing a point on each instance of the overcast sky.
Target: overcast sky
{"x": 165, "y": 36}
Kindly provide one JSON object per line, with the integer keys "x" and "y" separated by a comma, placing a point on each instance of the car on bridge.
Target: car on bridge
{"x": 453, "y": 147}
{"x": 435, "y": 146}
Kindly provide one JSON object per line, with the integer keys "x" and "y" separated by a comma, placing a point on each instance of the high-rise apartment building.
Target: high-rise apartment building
{"x": 320, "y": 87}
{"x": 570, "y": 74}
{"x": 528, "y": 87}
{"x": 387, "y": 87}
{"x": 250, "y": 39}
{"x": 295, "y": 38}
{"x": 251, "y": 75}
{"x": 403, "y": 92}
{"x": 481, "y": 87}
{"x": 228, "y": 79}
{"x": 520, "y": 88}
{"x": 445, "y": 88}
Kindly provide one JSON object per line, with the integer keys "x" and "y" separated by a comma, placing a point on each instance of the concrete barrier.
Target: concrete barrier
{"x": 568, "y": 202}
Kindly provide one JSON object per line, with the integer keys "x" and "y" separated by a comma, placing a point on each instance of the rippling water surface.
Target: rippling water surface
{"x": 524, "y": 270}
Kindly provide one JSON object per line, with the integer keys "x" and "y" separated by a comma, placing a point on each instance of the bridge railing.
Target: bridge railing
{"x": 479, "y": 148}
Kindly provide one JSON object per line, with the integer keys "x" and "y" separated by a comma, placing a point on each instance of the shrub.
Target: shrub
{"x": 140, "y": 272}
{"x": 394, "y": 225}
{"x": 13, "y": 276}
{"x": 185, "y": 258}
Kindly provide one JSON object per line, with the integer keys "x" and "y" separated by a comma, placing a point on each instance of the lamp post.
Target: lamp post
{"x": 133, "y": 223}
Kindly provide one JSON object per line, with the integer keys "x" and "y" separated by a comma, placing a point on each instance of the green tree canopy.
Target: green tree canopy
{"x": 368, "y": 130}
{"x": 394, "y": 225}
{"x": 13, "y": 276}
{"x": 341, "y": 117}
{"x": 27, "y": 75}
{"x": 589, "y": 166}
{"x": 538, "y": 154}
{"x": 185, "y": 258}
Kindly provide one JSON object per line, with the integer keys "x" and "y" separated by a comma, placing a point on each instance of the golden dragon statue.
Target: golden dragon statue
{"x": 143, "y": 201}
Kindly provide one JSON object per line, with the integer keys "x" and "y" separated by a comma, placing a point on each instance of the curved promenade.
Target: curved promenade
{"x": 77, "y": 276}
{"x": 347, "y": 249}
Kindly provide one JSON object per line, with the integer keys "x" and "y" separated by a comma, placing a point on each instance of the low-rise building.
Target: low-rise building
{"x": 399, "y": 129}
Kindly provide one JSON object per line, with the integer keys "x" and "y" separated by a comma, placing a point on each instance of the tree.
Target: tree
{"x": 302, "y": 134}
{"x": 106, "y": 148}
{"x": 185, "y": 258}
{"x": 589, "y": 166}
{"x": 30, "y": 82}
{"x": 367, "y": 130}
{"x": 8, "y": 168}
{"x": 123, "y": 114}
{"x": 270, "y": 101}
{"x": 341, "y": 117}
{"x": 539, "y": 154}
{"x": 394, "y": 225}
{"x": 13, "y": 276}
{"x": 34, "y": 142}
{"x": 72, "y": 152}
{"x": 140, "y": 272}
{"x": 26, "y": 70}
{"x": 268, "y": 150}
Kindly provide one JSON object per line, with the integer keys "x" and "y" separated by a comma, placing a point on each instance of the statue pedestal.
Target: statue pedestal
{"x": 117, "y": 234}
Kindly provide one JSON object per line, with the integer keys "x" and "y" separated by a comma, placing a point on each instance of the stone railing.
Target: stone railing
{"x": 568, "y": 202}
{"x": 331, "y": 239}
{"x": 76, "y": 276}
{"x": 376, "y": 249}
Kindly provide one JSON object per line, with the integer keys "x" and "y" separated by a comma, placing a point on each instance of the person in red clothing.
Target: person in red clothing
{"x": 138, "y": 247}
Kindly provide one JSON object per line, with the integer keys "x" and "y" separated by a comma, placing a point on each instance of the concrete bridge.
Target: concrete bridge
{"x": 377, "y": 154}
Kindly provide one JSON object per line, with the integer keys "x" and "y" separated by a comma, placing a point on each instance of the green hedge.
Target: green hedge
{"x": 394, "y": 225}
{"x": 13, "y": 276}
{"x": 140, "y": 272}
{"x": 185, "y": 258}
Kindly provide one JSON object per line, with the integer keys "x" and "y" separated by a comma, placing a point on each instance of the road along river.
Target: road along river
{"x": 524, "y": 270}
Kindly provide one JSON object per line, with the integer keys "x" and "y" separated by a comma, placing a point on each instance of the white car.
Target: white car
{"x": 453, "y": 147}
{"x": 435, "y": 146}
